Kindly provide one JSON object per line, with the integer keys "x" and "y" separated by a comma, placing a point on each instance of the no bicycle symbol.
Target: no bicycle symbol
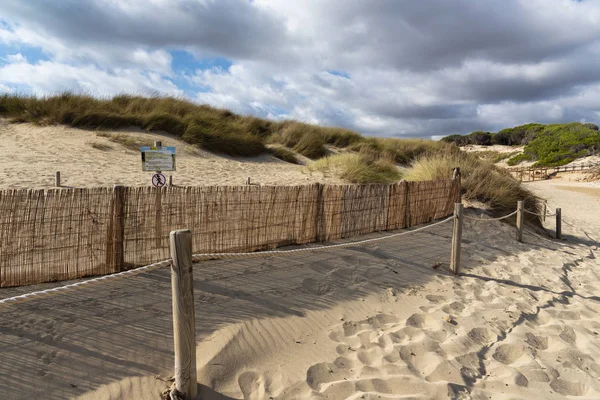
{"x": 159, "y": 180}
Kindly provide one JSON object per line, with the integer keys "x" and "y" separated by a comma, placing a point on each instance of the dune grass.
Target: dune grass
{"x": 482, "y": 181}
{"x": 211, "y": 128}
{"x": 357, "y": 168}
{"x": 284, "y": 154}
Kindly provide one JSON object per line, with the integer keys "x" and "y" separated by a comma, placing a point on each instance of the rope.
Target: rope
{"x": 197, "y": 257}
{"x": 532, "y": 213}
{"x": 490, "y": 219}
{"x": 217, "y": 256}
{"x": 116, "y": 276}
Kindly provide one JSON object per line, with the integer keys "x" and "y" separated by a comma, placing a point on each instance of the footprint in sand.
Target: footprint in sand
{"x": 567, "y": 388}
{"x": 508, "y": 353}
{"x": 537, "y": 342}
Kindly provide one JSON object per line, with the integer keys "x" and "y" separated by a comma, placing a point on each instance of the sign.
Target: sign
{"x": 159, "y": 180}
{"x": 158, "y": 158}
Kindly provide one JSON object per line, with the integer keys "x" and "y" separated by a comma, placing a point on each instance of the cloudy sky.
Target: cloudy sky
{"x": 417, "y": 68}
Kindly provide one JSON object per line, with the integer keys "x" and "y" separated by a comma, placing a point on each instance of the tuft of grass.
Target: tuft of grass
{"x": 305, "y": 139}
{"x": 357, "y": 168}
{"x": 494, "y": 156}
{"x": 284, "y": 155}
{"x": 99, "y": 145}
{"x": 128, "y": 141}
{"x": 481, "y": 181}
{"x": 210, "y": 136}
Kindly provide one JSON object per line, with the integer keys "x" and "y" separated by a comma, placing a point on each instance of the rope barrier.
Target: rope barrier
{"x": 532, "y": 213}
{"x": 217, "y": 256}
{"x": 491, "y": 219}
{"x": 197, "y": 257}
{"x": 116, "y": 276}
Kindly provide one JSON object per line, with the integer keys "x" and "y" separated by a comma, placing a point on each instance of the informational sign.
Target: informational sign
{"x": 159, "y": 180}
{"x": 158, "y": 158}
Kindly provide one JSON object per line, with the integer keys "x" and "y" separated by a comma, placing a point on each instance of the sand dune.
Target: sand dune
{"x": 33, "y": 154}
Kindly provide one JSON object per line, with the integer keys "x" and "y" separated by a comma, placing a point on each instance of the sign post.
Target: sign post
{"x": 158, "y": 158}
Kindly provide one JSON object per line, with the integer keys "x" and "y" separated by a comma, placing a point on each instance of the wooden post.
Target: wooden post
{"x": 545, "y": 211}
{"x": 520, "y": 208}
{"x": 115, "y": 255}
{"x": 248, "y": 181}
{"x": 320, "y": 220}
{"x": 184, "y": 320}
{"x": 558, "y": 224}
{"x": 456, "y": 239}
{"x": 456, "y": 176}
{"x": 57, "y": 179}
{"x": 170, "y": 180}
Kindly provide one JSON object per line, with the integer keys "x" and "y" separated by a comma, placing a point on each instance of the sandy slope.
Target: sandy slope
{"x": 32, "y": 154}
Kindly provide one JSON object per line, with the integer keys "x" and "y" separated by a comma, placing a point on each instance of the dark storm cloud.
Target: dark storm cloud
{"x": 231, "y": 28}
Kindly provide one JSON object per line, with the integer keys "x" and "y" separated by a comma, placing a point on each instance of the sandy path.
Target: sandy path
{"x": 32, "y": 154}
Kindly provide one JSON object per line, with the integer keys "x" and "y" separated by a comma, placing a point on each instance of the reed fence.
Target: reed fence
{"x": 60, "y": 234}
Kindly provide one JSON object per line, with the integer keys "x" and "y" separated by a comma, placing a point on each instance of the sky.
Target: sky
{"x": 400, "y": 68}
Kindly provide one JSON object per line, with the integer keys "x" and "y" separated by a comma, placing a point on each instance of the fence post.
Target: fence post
{"x": 456, "y": 239}
{"x": 170, "y": 180}
{"x": 57, "y": 179}
{"x": 520, "y": 208}
{"x": 115, "y": 256}
{"x": 184, "y": 320}
{"x": 320, "y": 221}
{"x": 545, "y": 211}
{"x": 456, "y": 176}
{"x": 558, "y": 224}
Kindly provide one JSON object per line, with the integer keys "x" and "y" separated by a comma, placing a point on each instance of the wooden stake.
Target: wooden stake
{"x": 456, "y": 176}
{"x": 520, "y": 208}
{"x": 545, "y": 211}
{"x": 184, "y": 320}
{"x": 170, "y": 180}
{"x": 558, "y": 224}
{"x": 456, "y": 239}
{"x": 116, "y": 253}
{"x": 57, "y": 179}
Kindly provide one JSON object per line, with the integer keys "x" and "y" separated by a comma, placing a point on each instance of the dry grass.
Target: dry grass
{"x": 130, "y": 142}
{"x": 357, "y": 168}
{"x": 284, "y": 154}
{"x": 99, "y": 145}
{"x": 210, "y": 128}
{"x": 481, "y": 180}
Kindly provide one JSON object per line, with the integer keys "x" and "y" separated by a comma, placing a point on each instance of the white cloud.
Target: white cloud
{"x": 16, "y": 58}
{"x": 49, "y": 77}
